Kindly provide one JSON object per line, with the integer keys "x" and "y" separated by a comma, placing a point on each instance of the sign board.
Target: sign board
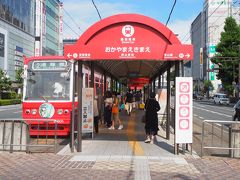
{"x": 133, "y": 37}
{"x": 183, "y": 110}
{"x": 212, "y": 49}
{"x": 49, "y": 65}
{"x": 87, "y": 110}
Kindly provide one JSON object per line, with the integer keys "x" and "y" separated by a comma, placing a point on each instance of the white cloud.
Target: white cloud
{"x": 182, "y": 28}
{"x": 85, "y": 15}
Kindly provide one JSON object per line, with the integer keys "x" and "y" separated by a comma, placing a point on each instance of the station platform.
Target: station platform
{"x": 119, "y": 154}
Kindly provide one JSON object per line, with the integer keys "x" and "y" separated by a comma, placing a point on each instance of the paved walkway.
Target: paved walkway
{"x": 118, "y": 154}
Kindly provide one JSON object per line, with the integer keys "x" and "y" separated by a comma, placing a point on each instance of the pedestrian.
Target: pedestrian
{"x": 95, "y": 113}
{"x": 128, "y": 102}
{"x": 151, "y": 125}
{"x": 236, "y": 115}
{"x": 108, "y": 108}
{"x": 137, "y": 99}
{"x": 115, "y": 112}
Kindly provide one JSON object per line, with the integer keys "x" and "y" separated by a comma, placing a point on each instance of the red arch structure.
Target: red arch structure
{"x": 128, "y": 37}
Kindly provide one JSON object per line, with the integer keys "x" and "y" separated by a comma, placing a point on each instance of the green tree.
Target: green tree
{"x": 19, "y": 79}
{"x": 5, "y": 83}
{"x": 227, "y": 53}
{"x": 207, "y": 86}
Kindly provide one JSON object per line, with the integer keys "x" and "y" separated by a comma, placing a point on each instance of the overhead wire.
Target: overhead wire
{"x": 175, "y": 1}
{"x": 71, "y": 28}
{"x": 75, "y": 23}
{"x": 96, "y": 9}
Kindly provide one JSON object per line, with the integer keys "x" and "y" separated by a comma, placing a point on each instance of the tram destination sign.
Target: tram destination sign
{"x": 49, "y": 65}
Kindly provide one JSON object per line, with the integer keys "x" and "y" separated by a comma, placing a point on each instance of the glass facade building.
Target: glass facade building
{"x": 18, "y": 13}
{"x": 48, "y": 31}
{"x": 16, "y": 34}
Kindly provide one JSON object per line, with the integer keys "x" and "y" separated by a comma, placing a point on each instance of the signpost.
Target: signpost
{"x": 183, "y": 106}
{"x": 87, "y": 110}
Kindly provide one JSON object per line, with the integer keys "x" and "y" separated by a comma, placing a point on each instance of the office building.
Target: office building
{"x": 48, "y": 27}
{"x": 16, "y": 34}
{"x": 205, "y": 35}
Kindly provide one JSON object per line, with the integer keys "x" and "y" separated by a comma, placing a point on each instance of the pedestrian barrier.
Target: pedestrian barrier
{"x": 227, "y": 133}
{"x": 15, "y": 135}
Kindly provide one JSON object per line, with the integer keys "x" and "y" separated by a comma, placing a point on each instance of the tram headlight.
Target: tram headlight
{"x": 27, "y": 111}
{"x": 34, "y": 111}
{"x": 60, "y": 111}
{"x": 66, "y": 111}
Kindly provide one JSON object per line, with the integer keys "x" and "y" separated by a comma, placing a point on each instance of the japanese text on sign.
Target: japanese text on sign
{"x": 128, "y": 49}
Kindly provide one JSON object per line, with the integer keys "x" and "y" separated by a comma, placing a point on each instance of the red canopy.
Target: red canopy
{"x": 128, "y": 36}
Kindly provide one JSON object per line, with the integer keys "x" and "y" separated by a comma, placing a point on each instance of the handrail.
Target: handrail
{"x": 26, "y": 134}
{"x": 217, "y": 122}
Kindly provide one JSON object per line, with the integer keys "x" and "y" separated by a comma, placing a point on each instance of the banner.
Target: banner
{"x": 87, "y": 110}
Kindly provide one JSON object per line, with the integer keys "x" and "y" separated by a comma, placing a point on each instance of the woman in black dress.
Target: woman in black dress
{"x": 151, "y": 126}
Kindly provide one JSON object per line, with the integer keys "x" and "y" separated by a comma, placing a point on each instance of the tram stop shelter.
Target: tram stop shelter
{"x": 128, "y": 44}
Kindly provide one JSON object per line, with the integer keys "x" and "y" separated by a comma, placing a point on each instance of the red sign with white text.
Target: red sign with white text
{"x": 128, "y": 40}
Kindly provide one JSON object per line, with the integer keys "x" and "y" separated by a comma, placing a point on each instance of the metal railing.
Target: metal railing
{"x": 15, "y": 135}
{"x": 225, "y": 134}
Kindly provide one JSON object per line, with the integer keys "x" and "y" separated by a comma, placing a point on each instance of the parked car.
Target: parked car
{"x": 236, "y": 111}
{"x": 220, "y": 98}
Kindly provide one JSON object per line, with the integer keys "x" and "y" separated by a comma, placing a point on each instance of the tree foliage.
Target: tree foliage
{"x": 227, "y": 56}
{"x": 19, "y": 78}
{"x": 207, "y": 86}
{"x": 5, "y": 83}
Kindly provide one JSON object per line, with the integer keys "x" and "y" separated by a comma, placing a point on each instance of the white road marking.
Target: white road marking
{"x": 9, "y": 109}
{"x": 213, "y": 112}
{"x": 17, "y": 112}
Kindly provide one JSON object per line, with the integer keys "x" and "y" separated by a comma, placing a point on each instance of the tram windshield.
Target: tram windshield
{"x": 48, "y": 81}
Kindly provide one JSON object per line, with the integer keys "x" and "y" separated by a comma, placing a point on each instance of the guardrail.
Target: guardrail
{"x": 230, "y": 127}
{"x": 15, "y": 135}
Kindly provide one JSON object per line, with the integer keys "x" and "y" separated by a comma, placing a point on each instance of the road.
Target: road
{"x": 201, "y": 109}
{"x": 11, "y": 112}
{"x": 207, "y": 110}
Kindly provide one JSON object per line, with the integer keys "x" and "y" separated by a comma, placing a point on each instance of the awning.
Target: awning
{"x": 129, "y": 46}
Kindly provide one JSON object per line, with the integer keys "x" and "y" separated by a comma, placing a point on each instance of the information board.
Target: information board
{"x": 183, "y": 110}
{"x": 87, "y": 110}
{"x": 49, "y": 65}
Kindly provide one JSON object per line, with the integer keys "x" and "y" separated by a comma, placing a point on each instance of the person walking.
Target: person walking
{"x": 128, "y": 102}
{"x": 151, "y": 125}
{"x": 115, "y": 112}
{"x": 137, "y": 99}
{"x": 108, "y": 108}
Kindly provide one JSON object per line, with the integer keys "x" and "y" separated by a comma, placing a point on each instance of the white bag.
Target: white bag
{"x": 126, "y": 106}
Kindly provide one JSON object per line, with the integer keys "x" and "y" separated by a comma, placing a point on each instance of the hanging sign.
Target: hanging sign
{"x": 183, "y": 108}
{"x": 87, "y": 110}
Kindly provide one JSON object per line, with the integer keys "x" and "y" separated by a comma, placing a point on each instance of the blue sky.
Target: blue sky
{"x": 83, "y": 14}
